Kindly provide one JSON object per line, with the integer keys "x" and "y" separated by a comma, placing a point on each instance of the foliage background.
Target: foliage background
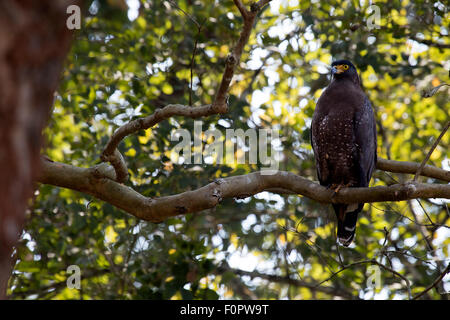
{"x": 123, "y": 66}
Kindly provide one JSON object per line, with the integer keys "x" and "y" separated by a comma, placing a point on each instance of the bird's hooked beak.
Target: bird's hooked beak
{"x": 337, "y": 69}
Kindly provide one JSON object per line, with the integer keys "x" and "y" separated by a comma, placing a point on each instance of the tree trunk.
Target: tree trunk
{"x": 34, "y": 42}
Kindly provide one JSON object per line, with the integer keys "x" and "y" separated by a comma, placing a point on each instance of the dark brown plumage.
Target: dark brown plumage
{"x": 343, "y": 137}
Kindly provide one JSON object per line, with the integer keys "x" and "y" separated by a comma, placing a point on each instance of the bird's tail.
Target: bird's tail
{"x": 347, "y": 216}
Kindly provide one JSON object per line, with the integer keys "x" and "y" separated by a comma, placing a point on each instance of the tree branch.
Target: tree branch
{"x": 396, "y": 167}
{"x": 118, "y": 163}
{"x": 241, "y": 8}
{"x": 218, "y": 106}
{"x": 412, "y": 167}
{"x": 206, "y": 110}
{"x": 148, "y": 122}
{"x": 97, "y": 181}
{"x": 434, "y": 284}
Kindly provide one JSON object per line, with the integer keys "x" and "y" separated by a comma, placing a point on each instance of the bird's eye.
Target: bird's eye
{"x": 345, "y": 67}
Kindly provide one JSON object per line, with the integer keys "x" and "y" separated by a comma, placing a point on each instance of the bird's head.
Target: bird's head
{"x": 344, "y": 69}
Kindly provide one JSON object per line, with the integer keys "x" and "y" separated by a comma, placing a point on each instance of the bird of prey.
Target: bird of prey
{"x": 343, "y": 137}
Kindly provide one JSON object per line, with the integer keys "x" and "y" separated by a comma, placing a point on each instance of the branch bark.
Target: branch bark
{"x": 412, "y": 167}
{"x": 99, "y": 182}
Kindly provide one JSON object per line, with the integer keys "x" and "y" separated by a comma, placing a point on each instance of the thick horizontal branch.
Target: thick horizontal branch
{"x": 99, "y": 182}
{"x": 412, "y": 167}
{"x": 396, "y": 167}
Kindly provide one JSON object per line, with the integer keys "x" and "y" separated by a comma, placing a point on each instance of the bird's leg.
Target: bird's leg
{"x": 335, "y": 187}
{"x": 332, "y": 186}
{"x": 338, "y": 187}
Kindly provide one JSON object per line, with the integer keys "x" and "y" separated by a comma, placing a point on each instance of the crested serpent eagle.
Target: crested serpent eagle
{"x": 343, "y": 137}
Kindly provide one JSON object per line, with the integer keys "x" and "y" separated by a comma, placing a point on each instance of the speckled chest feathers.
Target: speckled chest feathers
{"x": 336, "y": 112}
{"x": 343, "y": 137}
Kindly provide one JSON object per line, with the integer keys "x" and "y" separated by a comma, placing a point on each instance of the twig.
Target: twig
{"x": 259, "y": 5}
{"x": 431, "y": 92}
{"x": 285, "y": 280}
{"x": 371, "y": 261}
{"x": 411, "y": 220}
{"x": 193, "y": 59}
{"x": 313, "y": 248}
{"x": 199, "y": 29}
{"x": 185, "y": 13}
{"x": 426, "y": 213}
{"x": 431, "y": 151}
{"x": 386, "y": 236}
{"x": 434, "y": 284}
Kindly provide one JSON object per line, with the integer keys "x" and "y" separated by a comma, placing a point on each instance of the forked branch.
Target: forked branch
{"x": 219, "y": 105}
